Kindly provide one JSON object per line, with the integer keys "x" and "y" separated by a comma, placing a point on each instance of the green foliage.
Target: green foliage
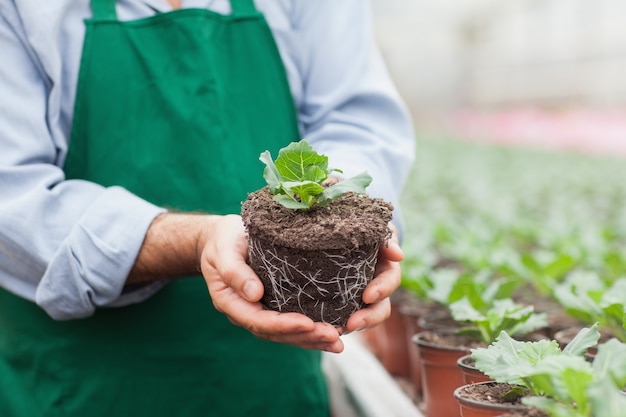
{"x": 590, "y": 299}
{"x": 529, "y": 216}
{"x": 502, "y": 315}
{"x": 447, "y": 286}
{"x": 296, "y": 177}
{"x": 560, "y": 382}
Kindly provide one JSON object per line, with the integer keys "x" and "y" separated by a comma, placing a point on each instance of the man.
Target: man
{"x": 118, "y": 131}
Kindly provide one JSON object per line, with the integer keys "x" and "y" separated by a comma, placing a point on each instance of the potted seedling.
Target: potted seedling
{"x": 313, "y": 240}
{"x": 561, "y": 382}
{"x": 486, "y": 324}
{"x": 589, "y": 299}
{"x": 441, "y": 348}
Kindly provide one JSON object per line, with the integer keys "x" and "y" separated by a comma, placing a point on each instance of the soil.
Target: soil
{"x": 492, "y": 393}
{"x": 447, "y": 337}
{"x": 318, "y": 261}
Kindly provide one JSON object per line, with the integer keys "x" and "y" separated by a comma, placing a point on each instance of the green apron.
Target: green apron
{"x": 176, "y": 108}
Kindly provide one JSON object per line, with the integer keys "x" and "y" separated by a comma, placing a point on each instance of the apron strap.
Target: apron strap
{"x": 103, "y": 9}
{"x": 242, "y": 8}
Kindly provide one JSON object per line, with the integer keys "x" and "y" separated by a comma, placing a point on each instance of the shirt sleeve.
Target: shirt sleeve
{"x": 67, "y": 245}
{"x": 349, "y": 108}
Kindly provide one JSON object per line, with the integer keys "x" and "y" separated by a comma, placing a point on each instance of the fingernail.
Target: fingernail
{"x": 250, "y": 290}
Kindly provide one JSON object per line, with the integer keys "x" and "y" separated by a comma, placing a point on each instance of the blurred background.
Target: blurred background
{"x": 545, "y": 72}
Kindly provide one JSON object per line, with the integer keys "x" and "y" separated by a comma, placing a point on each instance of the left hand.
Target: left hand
{"x": 386, "y": 281}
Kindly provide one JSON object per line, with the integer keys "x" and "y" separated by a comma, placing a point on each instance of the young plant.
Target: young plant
{"x": 296, "y": 179}
{"x": 589, "y": 299}
{"x": 479, "y": 300}
{"x": 514, "y": 362}
{"x": 575, "y": 388}
{"x": 545, "y": 268}
{"x": 447, "y": 286}
{"x": 498, "y": 316}
{"x": 313, "y": 262}
{"x": 559, "y": 382}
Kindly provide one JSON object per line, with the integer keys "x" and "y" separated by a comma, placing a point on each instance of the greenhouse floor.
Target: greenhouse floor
{"x": 361, "y": 387}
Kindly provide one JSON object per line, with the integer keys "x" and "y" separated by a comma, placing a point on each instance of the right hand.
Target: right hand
{"x": 236, "y": 291}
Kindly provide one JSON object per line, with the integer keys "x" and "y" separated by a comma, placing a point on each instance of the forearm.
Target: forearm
{"x": 172, "y": 247}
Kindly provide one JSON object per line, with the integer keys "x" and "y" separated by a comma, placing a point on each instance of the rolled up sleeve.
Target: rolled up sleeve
{"x": 67, "y": 245}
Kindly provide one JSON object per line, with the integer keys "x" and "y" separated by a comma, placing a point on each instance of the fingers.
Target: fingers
{"x": 369, "y": 316}
{"x": 386, "y": 280}
{"x": 323, "y": 337}
{"x": 288, "y": 328}
{"x": 236, "y": 290}
{"x": 228, "y": 258}
{"x": 391, "y": 250}
{"x": 388, "y": 272}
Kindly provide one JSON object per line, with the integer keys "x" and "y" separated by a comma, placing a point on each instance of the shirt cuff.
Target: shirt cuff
{"x": 90, "y": 267}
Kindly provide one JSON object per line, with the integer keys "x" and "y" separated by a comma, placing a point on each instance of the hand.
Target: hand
{"x": 386, "y": 281}
{"x": 236, "y": 290}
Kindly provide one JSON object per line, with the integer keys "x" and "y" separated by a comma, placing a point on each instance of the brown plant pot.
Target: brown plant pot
{"x": 393, "y": 354}
{"x": 318, "y": 261}
{"x": 484, "y": 399}
{"x": 411, "y": 312}
{"x": 531, "y": 412}
{"x": 471, "y": 374}
{"x": 439, "y": 352}
{"x": 374, "y": 339}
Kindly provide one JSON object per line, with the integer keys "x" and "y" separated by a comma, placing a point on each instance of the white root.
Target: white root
{"x": 291, "y": 285}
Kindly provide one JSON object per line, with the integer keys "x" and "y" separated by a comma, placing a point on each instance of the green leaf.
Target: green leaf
{"x": 606, "y": 399}
{"x": 613, "y": 304}
{"x": 575, "y": 295}
{"x": 471, "y": 332}
{"x": 535, "y": 352}
{"x": 534, "y": 322}
{"x": 443, "y": 283}
{"x": 299, "y": 162}
{"x": 610, "y": 362}
{"x": 512, "y": 361}
{"x": 501, "y": 360}
{"x": 551, "y": 407}
{"x": 462, "y": 310}
{"x": 289, "y": 202}
{"x": 503, "y": 315}
{"x": 296, "y": 177}
{"x": 270, "y": 173}
{"x": 564, "y": 377}
{"x": 586, "y": 338}
{"x": 356, "y": 184}
{"x": 515, "y": 393}
{"x": 306, "y": 191}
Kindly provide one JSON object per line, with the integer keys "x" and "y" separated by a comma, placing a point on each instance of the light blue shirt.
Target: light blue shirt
{"x": 69, "y": 245}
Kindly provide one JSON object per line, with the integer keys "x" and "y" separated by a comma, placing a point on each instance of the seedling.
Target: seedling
{"x": 447, "y": 286}
{"x": 514, "y": 362}
{"x": 501, "y": 315}
{"x": 560, "y": 382}
{"x": 313, "y": 261}
{"x": 588, "y": 298}
{"x": 296, "y": 178}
